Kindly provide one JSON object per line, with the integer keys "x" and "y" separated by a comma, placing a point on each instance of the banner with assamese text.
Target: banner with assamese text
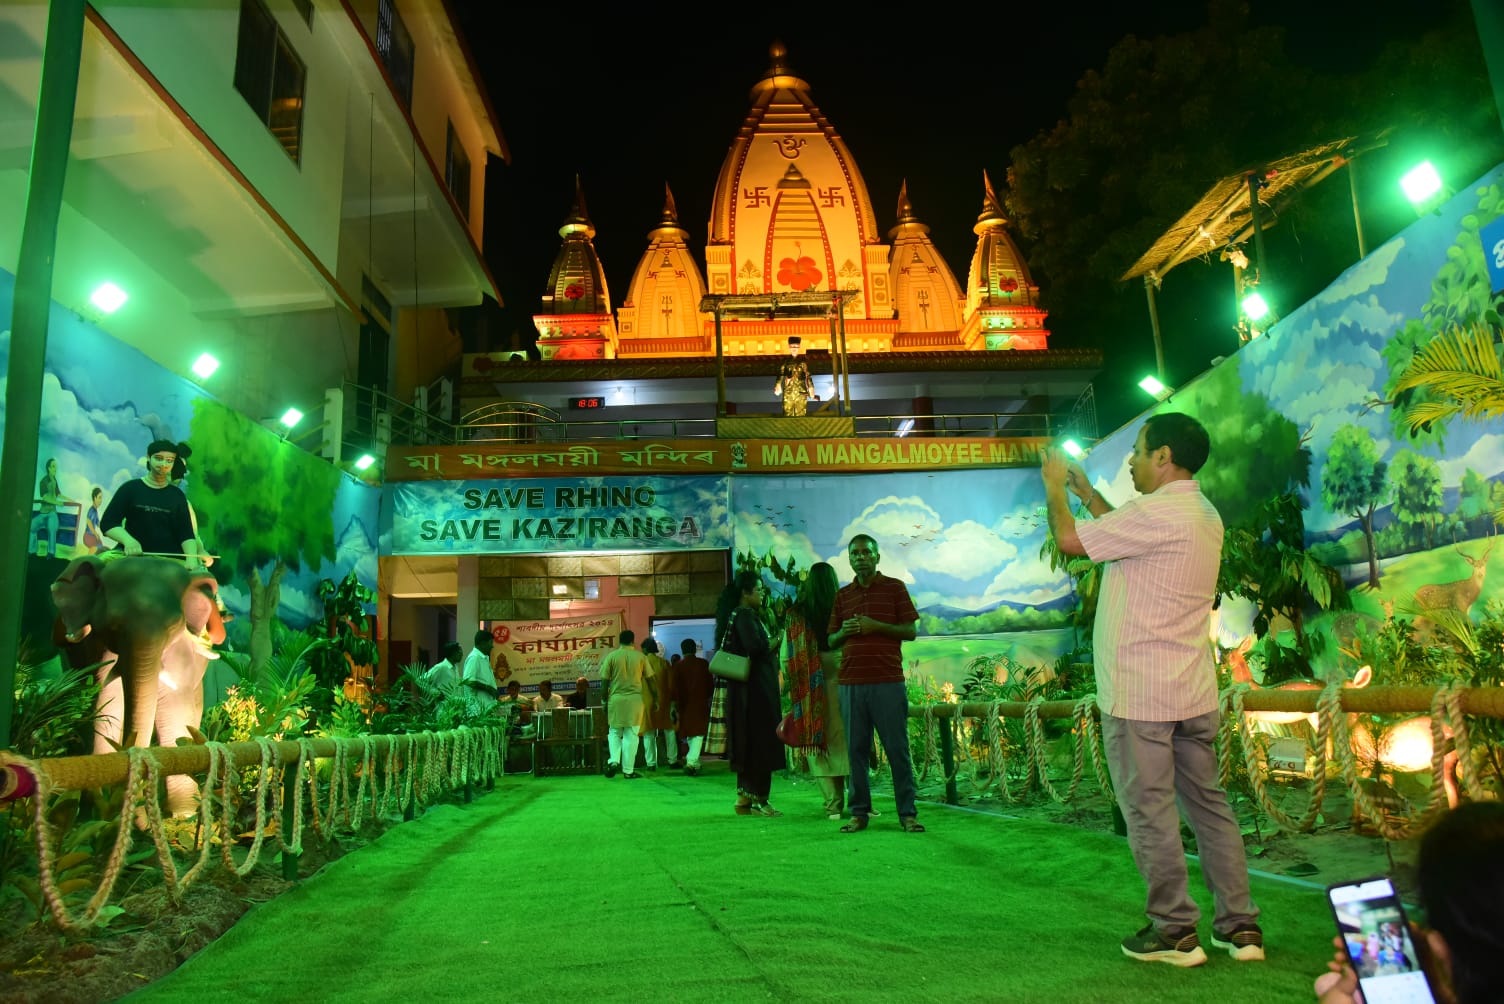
{"x": 560, "y": 650}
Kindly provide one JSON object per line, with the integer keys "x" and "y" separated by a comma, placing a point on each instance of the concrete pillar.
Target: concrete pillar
{"x": 467, "y": 603}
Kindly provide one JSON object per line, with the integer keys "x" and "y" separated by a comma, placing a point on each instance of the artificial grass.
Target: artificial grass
{"x": 584, "y": 888}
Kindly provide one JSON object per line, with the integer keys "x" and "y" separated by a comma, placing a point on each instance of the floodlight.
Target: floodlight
{"x": 1073, "y": 448}
{"x": 366, "y": 460}
{"x": 1421, "y": 183}
{"x": 291, "y": 417}
{"x": 1255, "y": 307}
{"x": 205, "y": 365}
{"x": 1153, "y": 387}
{"x": 108, "y": 297}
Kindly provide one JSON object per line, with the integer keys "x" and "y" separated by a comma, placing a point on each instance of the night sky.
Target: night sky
{"x": 633, "y": 97}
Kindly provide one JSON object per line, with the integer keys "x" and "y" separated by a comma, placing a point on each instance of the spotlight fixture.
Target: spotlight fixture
{"x": 1073, "y": 448}
{"x": 365, "y": 461}
{"x": 108, "y": 297}
{"x": 1153, "y": 387}
{"x": 1421, "y": 183}
{"x": 291, "y": 417}
{"x": 205, "y": 365}
{"x": 1255, "y": 307}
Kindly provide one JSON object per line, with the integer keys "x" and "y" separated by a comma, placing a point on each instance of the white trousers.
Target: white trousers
{"x": 621, "y": 745}
{"x": 692, "y": 758}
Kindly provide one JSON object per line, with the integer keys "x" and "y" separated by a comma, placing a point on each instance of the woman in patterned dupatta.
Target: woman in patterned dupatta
{"x": 810, "y": 670}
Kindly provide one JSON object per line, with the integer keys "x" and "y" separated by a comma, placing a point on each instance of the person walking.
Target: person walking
{"x": 693, "y": 686}
{"x": 752, "y": 705}
{"x": 658, "y": 717}
{"x": 871, "y": 619}
{"x": 810, "y": 670}
{"x": 1157, "y": 683}
{"x": 627, "y": 680}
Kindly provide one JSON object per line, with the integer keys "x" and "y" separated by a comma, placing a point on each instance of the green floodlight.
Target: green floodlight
{"x": 1255, "y": 307}
{"x": 1153, "y": 387}
{"x": 366, "y": 460}
{"x": 205, "y": 365}
{"x": 1073, "y": 448}
{"x": 108, "y": 297}
{"x": 1421, "y": 183}
{"x": 291, "y": 417}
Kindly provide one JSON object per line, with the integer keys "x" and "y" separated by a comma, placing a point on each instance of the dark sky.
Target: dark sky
{"x": 633, "y": 97}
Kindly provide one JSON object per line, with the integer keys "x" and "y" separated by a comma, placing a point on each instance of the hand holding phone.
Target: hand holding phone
{"x": 1372, "y": 925}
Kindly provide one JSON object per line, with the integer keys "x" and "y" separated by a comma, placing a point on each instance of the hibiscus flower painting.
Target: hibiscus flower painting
{"x": 799, "y": 274}
{"x": 574, "y": 291}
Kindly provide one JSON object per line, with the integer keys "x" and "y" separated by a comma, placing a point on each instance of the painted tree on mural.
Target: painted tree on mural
{"x": 1257, "y": 453}
{"x": 267, "y": 507}
{"x": 1354, "y": 481}
{"x": 1417, "y": 496}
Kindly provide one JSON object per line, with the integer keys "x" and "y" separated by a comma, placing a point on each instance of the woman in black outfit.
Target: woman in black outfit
{"x": 753, "y": 707}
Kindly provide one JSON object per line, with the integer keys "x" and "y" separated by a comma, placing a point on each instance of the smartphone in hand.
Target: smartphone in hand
{"x": 1371, "y": 921}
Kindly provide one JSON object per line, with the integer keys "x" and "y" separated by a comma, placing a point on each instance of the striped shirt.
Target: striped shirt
{"x": 872, "y": 658}
{"x": 1152, "y": 642}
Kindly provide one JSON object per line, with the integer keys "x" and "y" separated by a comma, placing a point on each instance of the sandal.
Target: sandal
{"x": 856, "y": 824}
{"x": 910, "y": 824}
{"x": 743, "y": 804}
{"x": 763, "y": 809}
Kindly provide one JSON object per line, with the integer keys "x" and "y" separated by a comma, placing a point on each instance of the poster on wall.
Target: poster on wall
{"x": 557, "y": 650}
{"x": 551, "y": 515}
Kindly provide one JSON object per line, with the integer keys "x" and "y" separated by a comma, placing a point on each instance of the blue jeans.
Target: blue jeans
{"x": 49, "y": 521}
{"x": 884, "y": 707}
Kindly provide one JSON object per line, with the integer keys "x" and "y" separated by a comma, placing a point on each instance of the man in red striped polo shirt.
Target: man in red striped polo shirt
{"x": 869, "y": 623}
{"x": 1157, "y": 683}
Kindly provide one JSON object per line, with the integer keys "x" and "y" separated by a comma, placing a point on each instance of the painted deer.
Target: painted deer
{"x": 1459, "y": 595}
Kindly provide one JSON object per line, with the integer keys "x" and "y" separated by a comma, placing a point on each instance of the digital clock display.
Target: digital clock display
{"x": 579, "y": 403}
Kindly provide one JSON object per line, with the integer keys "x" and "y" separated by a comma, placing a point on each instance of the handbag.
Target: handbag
{"x": 729, "y": 664}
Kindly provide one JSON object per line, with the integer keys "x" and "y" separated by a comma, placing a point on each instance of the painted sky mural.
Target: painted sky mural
{"x": 103, "y": 403}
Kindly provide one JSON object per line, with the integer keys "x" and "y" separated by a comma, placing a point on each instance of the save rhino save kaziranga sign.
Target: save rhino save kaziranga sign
{"x": 563, "y": 514}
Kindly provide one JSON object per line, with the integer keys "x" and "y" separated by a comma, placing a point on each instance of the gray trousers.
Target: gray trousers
{"x": 885, "y": 707}
{"x": 1154, "y": 765}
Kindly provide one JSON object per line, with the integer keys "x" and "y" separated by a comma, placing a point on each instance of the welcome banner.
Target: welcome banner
{"x": 550, "y": 515}
{"x": 557, "y": 650}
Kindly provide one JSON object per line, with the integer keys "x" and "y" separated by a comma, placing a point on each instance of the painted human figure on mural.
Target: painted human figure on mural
{"x": 794, "y": 383}
{"x": 45, "y": 517}
{"x": 92, "y": 538}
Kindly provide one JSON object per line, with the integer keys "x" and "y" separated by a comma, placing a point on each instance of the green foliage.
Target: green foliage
{"x": 266, "y": 501}
{"x": 1268, "y": 563}
{"x": 271, "y": 703}
{"x": 1417, "y": 496}
{"x": 54, "y": 715}
{"x": 1354, "y": 482}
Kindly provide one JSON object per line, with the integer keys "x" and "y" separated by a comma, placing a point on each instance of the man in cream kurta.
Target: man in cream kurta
{"x": 627, "y": 677}
{"x": 1157, "y": 685}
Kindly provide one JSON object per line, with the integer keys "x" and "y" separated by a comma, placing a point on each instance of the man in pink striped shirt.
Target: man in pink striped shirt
{"x": 1157, "y": 684}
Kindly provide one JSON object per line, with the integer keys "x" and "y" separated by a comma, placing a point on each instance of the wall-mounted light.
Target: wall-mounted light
{"x": 1153, "y": 387}
{"x": 1421, "y": 183}
{"x": 1073, "y": 448}
{"x": 108, "y": 297}
{"x": 1255, "y": 307}
{"x": 560, "y": 589}
{"x": 365, "y": 461}
{"x": 291, "y": 417}
{"x": 205, "y": 365}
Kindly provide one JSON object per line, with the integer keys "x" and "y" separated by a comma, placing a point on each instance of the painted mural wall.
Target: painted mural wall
{"x": 1406, "y": 518}
{"x": 279, "y": 518}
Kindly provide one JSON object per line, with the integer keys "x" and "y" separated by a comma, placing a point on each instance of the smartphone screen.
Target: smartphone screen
{"x": 1372, "y": 921}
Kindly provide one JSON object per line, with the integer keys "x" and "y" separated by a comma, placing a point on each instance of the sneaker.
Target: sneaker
{"x": 611, "y": 769}
{"x": 1178, "y": 949}
{"x": 1244, "y": 943}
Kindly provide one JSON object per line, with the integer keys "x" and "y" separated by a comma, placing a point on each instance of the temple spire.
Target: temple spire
{"x": 992, "y": 207}
{"x": 578, "y": 220}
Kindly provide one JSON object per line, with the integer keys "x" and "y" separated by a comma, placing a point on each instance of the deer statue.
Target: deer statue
{"x": 1459, "y": 595}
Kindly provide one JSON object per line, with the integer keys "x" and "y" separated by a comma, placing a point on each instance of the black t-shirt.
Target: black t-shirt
{"x": 157, "y": 517}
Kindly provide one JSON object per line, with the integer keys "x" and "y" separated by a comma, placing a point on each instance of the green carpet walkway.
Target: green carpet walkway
{"x": 588, "y": 889}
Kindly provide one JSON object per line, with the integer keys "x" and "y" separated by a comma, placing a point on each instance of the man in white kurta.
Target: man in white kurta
{"x": 1157, "y": 684}
{"x": 476, "y": 680}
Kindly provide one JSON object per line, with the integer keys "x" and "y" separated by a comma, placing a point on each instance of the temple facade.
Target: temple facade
{"x": 792, "y": 214}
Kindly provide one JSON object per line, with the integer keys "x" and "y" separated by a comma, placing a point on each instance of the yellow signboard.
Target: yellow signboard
{"x": 707, "y": 456}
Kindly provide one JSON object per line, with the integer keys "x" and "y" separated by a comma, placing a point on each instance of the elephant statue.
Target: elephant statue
{"x": 151, "y": 622}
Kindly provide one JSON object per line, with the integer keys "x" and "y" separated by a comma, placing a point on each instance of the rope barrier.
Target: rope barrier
{"x": 467, "y": 754}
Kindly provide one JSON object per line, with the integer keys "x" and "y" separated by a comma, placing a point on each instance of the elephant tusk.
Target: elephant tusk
{"x": 166, "y": 680}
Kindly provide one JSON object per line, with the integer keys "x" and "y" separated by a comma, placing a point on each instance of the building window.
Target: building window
{"x": 395, "y": 47}
{"x": 457, "y": 171}
{"x": 270, "y": 76}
